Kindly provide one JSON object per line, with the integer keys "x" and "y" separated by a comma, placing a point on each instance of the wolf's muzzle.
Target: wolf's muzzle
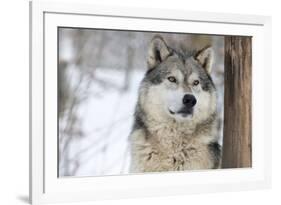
{"x": 189, "y": 100}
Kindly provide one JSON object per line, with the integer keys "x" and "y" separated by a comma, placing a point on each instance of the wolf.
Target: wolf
{"x": 175, "y": 120}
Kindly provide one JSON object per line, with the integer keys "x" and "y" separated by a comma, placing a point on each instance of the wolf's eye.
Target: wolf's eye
{"x": 172, "y": 79}
{"x": 195, "y": 82}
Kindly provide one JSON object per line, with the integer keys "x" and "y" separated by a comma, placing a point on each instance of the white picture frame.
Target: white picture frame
{"x": 46, "y": 187}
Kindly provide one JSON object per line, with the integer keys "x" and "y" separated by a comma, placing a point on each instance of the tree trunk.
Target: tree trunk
{"x": 237, "y": 140}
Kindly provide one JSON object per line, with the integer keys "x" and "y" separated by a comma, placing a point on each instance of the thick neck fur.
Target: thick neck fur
{"x": 168, "y": 132}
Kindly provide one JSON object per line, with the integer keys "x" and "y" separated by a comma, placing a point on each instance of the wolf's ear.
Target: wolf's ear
{"x": 206, "y": 57}
{"x": 158, "y": 51}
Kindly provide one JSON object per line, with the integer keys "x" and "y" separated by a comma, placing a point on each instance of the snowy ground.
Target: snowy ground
{"x": 106, "y": 120}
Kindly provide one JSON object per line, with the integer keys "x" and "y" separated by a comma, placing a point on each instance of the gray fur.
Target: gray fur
{"x": 162, "y": 140}
{"x": 215, "y": 151}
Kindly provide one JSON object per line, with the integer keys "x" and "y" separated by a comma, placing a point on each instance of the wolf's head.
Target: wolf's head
{"x": 177, "y": 84}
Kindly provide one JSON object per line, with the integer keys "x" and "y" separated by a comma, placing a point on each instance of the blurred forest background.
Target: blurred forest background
{"x": 98, "y": 77}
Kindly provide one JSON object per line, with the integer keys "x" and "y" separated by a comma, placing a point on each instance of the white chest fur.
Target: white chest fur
{"x": 169, "y": 149}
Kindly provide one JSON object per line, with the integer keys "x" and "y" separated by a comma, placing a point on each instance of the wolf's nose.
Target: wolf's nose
{"x": 189, "y": 100}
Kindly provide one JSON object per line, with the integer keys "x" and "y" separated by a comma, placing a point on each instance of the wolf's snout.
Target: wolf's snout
{"x": 189, "y": 100}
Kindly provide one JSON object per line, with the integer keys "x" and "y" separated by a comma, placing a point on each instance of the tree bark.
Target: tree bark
{"x": 237, "y": 140}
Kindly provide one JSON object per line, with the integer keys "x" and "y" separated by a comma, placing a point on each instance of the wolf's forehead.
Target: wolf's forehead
{"x": 185, "y": 68}
{"x": 191, "y": 65}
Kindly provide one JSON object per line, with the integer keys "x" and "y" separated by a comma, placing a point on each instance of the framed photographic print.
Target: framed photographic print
{"x": 128, "y": 102}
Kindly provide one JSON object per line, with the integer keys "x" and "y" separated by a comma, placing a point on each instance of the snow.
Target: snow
{"x": 106, "y": 123}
